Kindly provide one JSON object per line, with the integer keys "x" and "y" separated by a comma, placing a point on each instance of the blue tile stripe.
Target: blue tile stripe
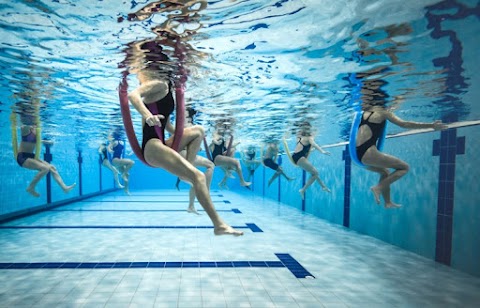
{"x": 347, "y": 186}
{"x": 146, "y": 201}
{"x": 447, "y": 147}
{"x": 236, "y": 211}
{"x": 253, "y": 227}
{"x": 286, "y": 261}
{"x": 161, "y": 195}
{"x": 296, "y": 268}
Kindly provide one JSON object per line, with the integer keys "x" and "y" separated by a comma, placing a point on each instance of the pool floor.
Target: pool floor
{"x": 146, "y": 250}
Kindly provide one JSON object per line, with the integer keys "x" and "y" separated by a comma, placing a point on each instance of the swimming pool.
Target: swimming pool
{"x": 266, "y": 65}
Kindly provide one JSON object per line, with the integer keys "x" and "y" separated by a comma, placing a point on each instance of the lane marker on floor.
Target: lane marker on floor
{"x": 145, "y": 201}
{"x": 236, "y": 211}
{"x": 251, "y": 226}
{"x": 286, "y": 261}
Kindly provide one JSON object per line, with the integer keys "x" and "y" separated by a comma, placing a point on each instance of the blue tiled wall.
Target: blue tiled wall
{"x": 466, "y": 211}
{"x": 14, "y": 179}
{"x": 413, "y": 227}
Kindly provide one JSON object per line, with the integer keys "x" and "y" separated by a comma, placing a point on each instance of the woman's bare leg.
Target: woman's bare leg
{"x": 376, "y": 159}
{"x": 274, "y": 176}
{"x": 124, "y": 166}
{"x": 192, "y": 139}
{"x": 114, "y": 170}
{"x": 159, "y": 155}
{"x": 43, "y": 169}
{"x": 308, "y": 167}
{"x": 386, "y": 191}
{"x": 230, "y": 162}
{"x": 56, "y": 176}
{"x": 277, "y": 174}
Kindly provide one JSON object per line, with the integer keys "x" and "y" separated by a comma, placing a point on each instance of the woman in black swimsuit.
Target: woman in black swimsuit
{"x": 222, "y": 157}
{"x": 369, "y": 131}
{"x": 26, "y": 159}
{"x": 155, "y": 90}
{"x": 305, "y": 141}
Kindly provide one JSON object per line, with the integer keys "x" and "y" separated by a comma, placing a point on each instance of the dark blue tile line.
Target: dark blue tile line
{"x": 296, "y": 268}
{"x": 236, "y": 211}
{"x": 286, "y": 261}
{"x": 347, "y": 186}
{"x": 252, "y": 227}
{"x": 447, "y": 147}
{"x": 160, "y": 195}
{"x": 145, "y": 201}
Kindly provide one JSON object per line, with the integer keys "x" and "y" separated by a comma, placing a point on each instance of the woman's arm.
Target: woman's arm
{"x": 135, "y": 98}
{"x": 437, "y": 125}
{"x": 316, "y": 146}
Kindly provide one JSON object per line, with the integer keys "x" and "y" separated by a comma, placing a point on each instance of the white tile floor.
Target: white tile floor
{"x": 351, "y": 270}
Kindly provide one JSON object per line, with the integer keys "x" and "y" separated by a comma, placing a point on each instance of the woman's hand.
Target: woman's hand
{"x": 154, "y": 120}
{"x": 438, "y": 125}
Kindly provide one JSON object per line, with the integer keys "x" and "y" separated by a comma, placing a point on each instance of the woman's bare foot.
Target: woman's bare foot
{"x": 302, "y": 193}
{"x": 376, "y": 193}
{"x": 67, "y": 189}
{"x": 325, "y": 188}
{"x": 226, "y": 230}
{"x": 32, "y": 191}
{"x": 391, "y": 205}
{"x": 244, "y": 184}
{"x": 192, "y": 209}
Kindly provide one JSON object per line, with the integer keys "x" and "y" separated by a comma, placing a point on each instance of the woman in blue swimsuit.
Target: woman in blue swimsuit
{"x": 374, "y": 118}
{"x": 122, "y": 164}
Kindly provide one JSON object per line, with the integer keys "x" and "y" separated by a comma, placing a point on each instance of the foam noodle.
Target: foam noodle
{"x": 207, "y": 149}
{"x": 13, "y": 121}
{"x": 127, "y": 119}
{"x": 180, "y": 115}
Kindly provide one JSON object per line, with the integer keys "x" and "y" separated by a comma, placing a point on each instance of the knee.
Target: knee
{"x": 237, "y": 164}
{"x": 199, "y": 131}
{"x": 403, "y": 167}
{"x": 46, "y": 168}
{"x": 210, "y": 165}
{"x": 199, "y": 177}
{"x": 384, "y": 173}
{"x": 315, "y": 173}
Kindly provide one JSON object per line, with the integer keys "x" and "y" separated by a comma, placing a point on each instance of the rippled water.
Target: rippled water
{"x": 263, "y": 64}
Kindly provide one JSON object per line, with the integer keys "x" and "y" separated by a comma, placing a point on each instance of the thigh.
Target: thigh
{"x": 159, "y": 155}
{"x": 225, "y": 161}
{"x": 189, "y": 135}
{"x": 306, "y": 165}
{"x": 375, "y": 158}
{"x": 203, "y": 162}
{"x": 35, "y": 164}
{"x": 120, "y": 162}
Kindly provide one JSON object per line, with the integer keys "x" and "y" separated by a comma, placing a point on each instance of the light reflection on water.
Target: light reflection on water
{"x": 267, "y": 64}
